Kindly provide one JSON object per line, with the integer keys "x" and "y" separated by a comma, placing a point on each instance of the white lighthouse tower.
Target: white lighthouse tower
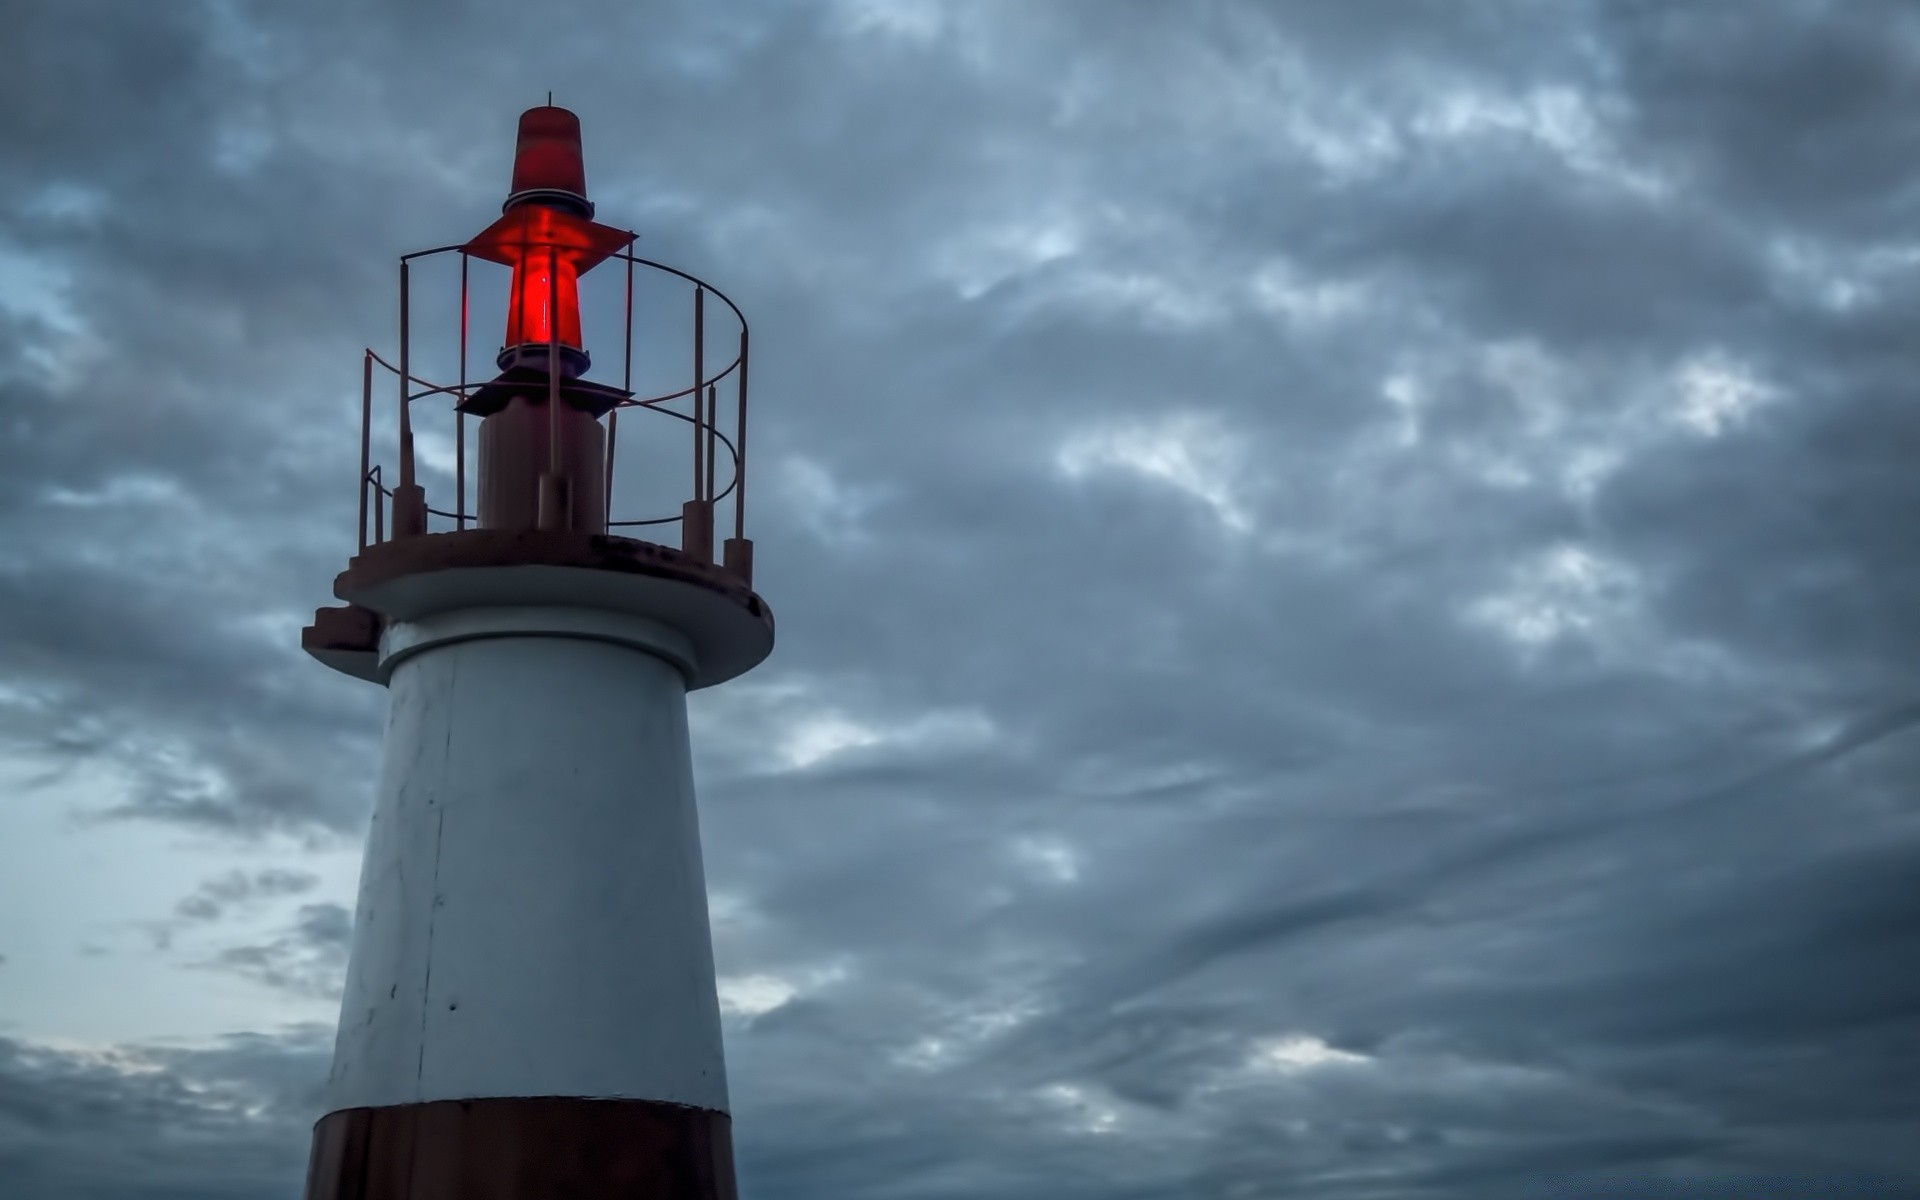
{"x": 529, "y": 1009}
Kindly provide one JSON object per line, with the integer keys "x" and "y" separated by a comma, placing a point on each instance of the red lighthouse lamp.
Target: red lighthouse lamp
{"x": 547, "y": 235}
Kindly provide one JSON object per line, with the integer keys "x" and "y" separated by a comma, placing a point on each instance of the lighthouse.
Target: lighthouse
{"x": 529, "y": 1009}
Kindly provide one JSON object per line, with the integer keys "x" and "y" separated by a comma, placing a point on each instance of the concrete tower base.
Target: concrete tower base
{"x": 529, "y": 1007}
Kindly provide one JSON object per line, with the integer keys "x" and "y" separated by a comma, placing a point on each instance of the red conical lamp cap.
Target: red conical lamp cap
{"x": 547, "y": 158}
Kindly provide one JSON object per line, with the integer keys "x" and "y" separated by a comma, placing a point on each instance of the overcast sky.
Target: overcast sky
{"x": 1346, "y": 574}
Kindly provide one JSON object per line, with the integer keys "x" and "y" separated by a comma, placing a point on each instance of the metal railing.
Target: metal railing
{"x": 710, "y": 444}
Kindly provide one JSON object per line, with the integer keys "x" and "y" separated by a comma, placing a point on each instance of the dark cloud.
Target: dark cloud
{"x": 214, "y": 897}
{"x": 1783, "y": 119}
{"x": 222, "y": 895}
{"x": 1343, "y": 572}
{"x": 147, "y": 1123}
{"x": 308, "y": 959}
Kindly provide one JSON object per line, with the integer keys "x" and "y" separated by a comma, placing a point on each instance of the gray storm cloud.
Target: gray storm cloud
{"x": 1344, "y": 578}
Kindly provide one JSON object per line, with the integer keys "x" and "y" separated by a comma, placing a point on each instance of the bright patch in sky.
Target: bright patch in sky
{"x": 758, "y": 993}
{"x": 1567, "y": 591}
{"x": 970, "y": 1029}
{"x": 1163, "y": 300}
{"x": 908, "y": 20}
{"x": 1347, "y": 142}
{"x": 240, "y": 149}
{"x": 146, "y": 491}
{"x": 1717, "y": 394}
{"x": 1558, "y": 119}
{"x": 1283, "y": 290}
{"x": 832, "y": 508}
{"x": 815, "y": 739}
{"x": 1084, "y": 1112}
{"x": 435, "y": 450}
{"x": 1050, "y": 858}
{"x": 1542, "y": 419}
{"x": 1299, "y": 1053}
{"x": 68, "y": 202}
{"x": 1837, "y": 279}
{"x": 753, "y": 995}
{"x": 1192, "y": 454}
{"x": 35, "y": 286}
{"x": 981, "y": 258}
{"x": 1404, "y": 393}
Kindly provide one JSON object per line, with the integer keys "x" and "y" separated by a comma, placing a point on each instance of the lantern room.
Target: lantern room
{"x": 534, "y": 443}
{"x": 548, "y": 249}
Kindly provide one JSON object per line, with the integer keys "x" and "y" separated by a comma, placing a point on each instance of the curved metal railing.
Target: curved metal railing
{"x": 703, "y": 390}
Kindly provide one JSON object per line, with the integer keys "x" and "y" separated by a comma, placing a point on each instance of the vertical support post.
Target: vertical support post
{"x": 460, "y": 417}
{"x": 409, "y": 501}
{"x": 696, "y": 515}
{"x": 406, "y": 375}
{"x": 737, "y": 554}
{"x": 366, "y": 436}
{"x": 740, "y": 446}
{"x": 696, "y": 531}
{"x": 379, "y": 508}
{"x": 552, "y": 512}
{"x": 626, "y": 385}
{"x": 713, "y": 434}
{"x": 553, "y": 370}
{"x": 699, "y": 373}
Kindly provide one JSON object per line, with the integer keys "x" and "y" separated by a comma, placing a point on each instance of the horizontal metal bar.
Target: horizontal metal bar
{"x": 624, "y": 256}
{"x": 693, "y": 279}
{"x": 630, "y": 524}
{"x": 432, "y": 388}
{"x": 435, "y": 250}
{"x": 729, "y": 369}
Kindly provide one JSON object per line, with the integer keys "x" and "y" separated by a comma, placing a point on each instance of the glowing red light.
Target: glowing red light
{"x": 548, "y": 250}
{"x": 537, "y": 293}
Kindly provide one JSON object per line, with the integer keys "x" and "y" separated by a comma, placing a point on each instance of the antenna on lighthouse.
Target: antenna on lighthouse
{"x": 530, "y": 1006}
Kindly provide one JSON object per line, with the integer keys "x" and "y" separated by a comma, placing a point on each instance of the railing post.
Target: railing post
{"x": 740, "y": 446}
{"x": 699, "y": 378}
{"x": 553, "y": 501}
{"x": 713, "y": 435}
{"x": 459, "y": 416}
{"x": 737, "y": 554}
{"x": 696, "y": 530}
{"x": 366, "y": 434}
{"x": 626, "y": 385}
{"x": 409, "y": 499}
{"x": 406, "y": 414}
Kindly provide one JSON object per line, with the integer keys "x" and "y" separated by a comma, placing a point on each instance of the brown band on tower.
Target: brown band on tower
{"x": 521, "y": 1149}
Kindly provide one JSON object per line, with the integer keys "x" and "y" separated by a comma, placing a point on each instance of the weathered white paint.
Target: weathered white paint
{"x": 404, "y": 639}
{"x": 532, "y": 916}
